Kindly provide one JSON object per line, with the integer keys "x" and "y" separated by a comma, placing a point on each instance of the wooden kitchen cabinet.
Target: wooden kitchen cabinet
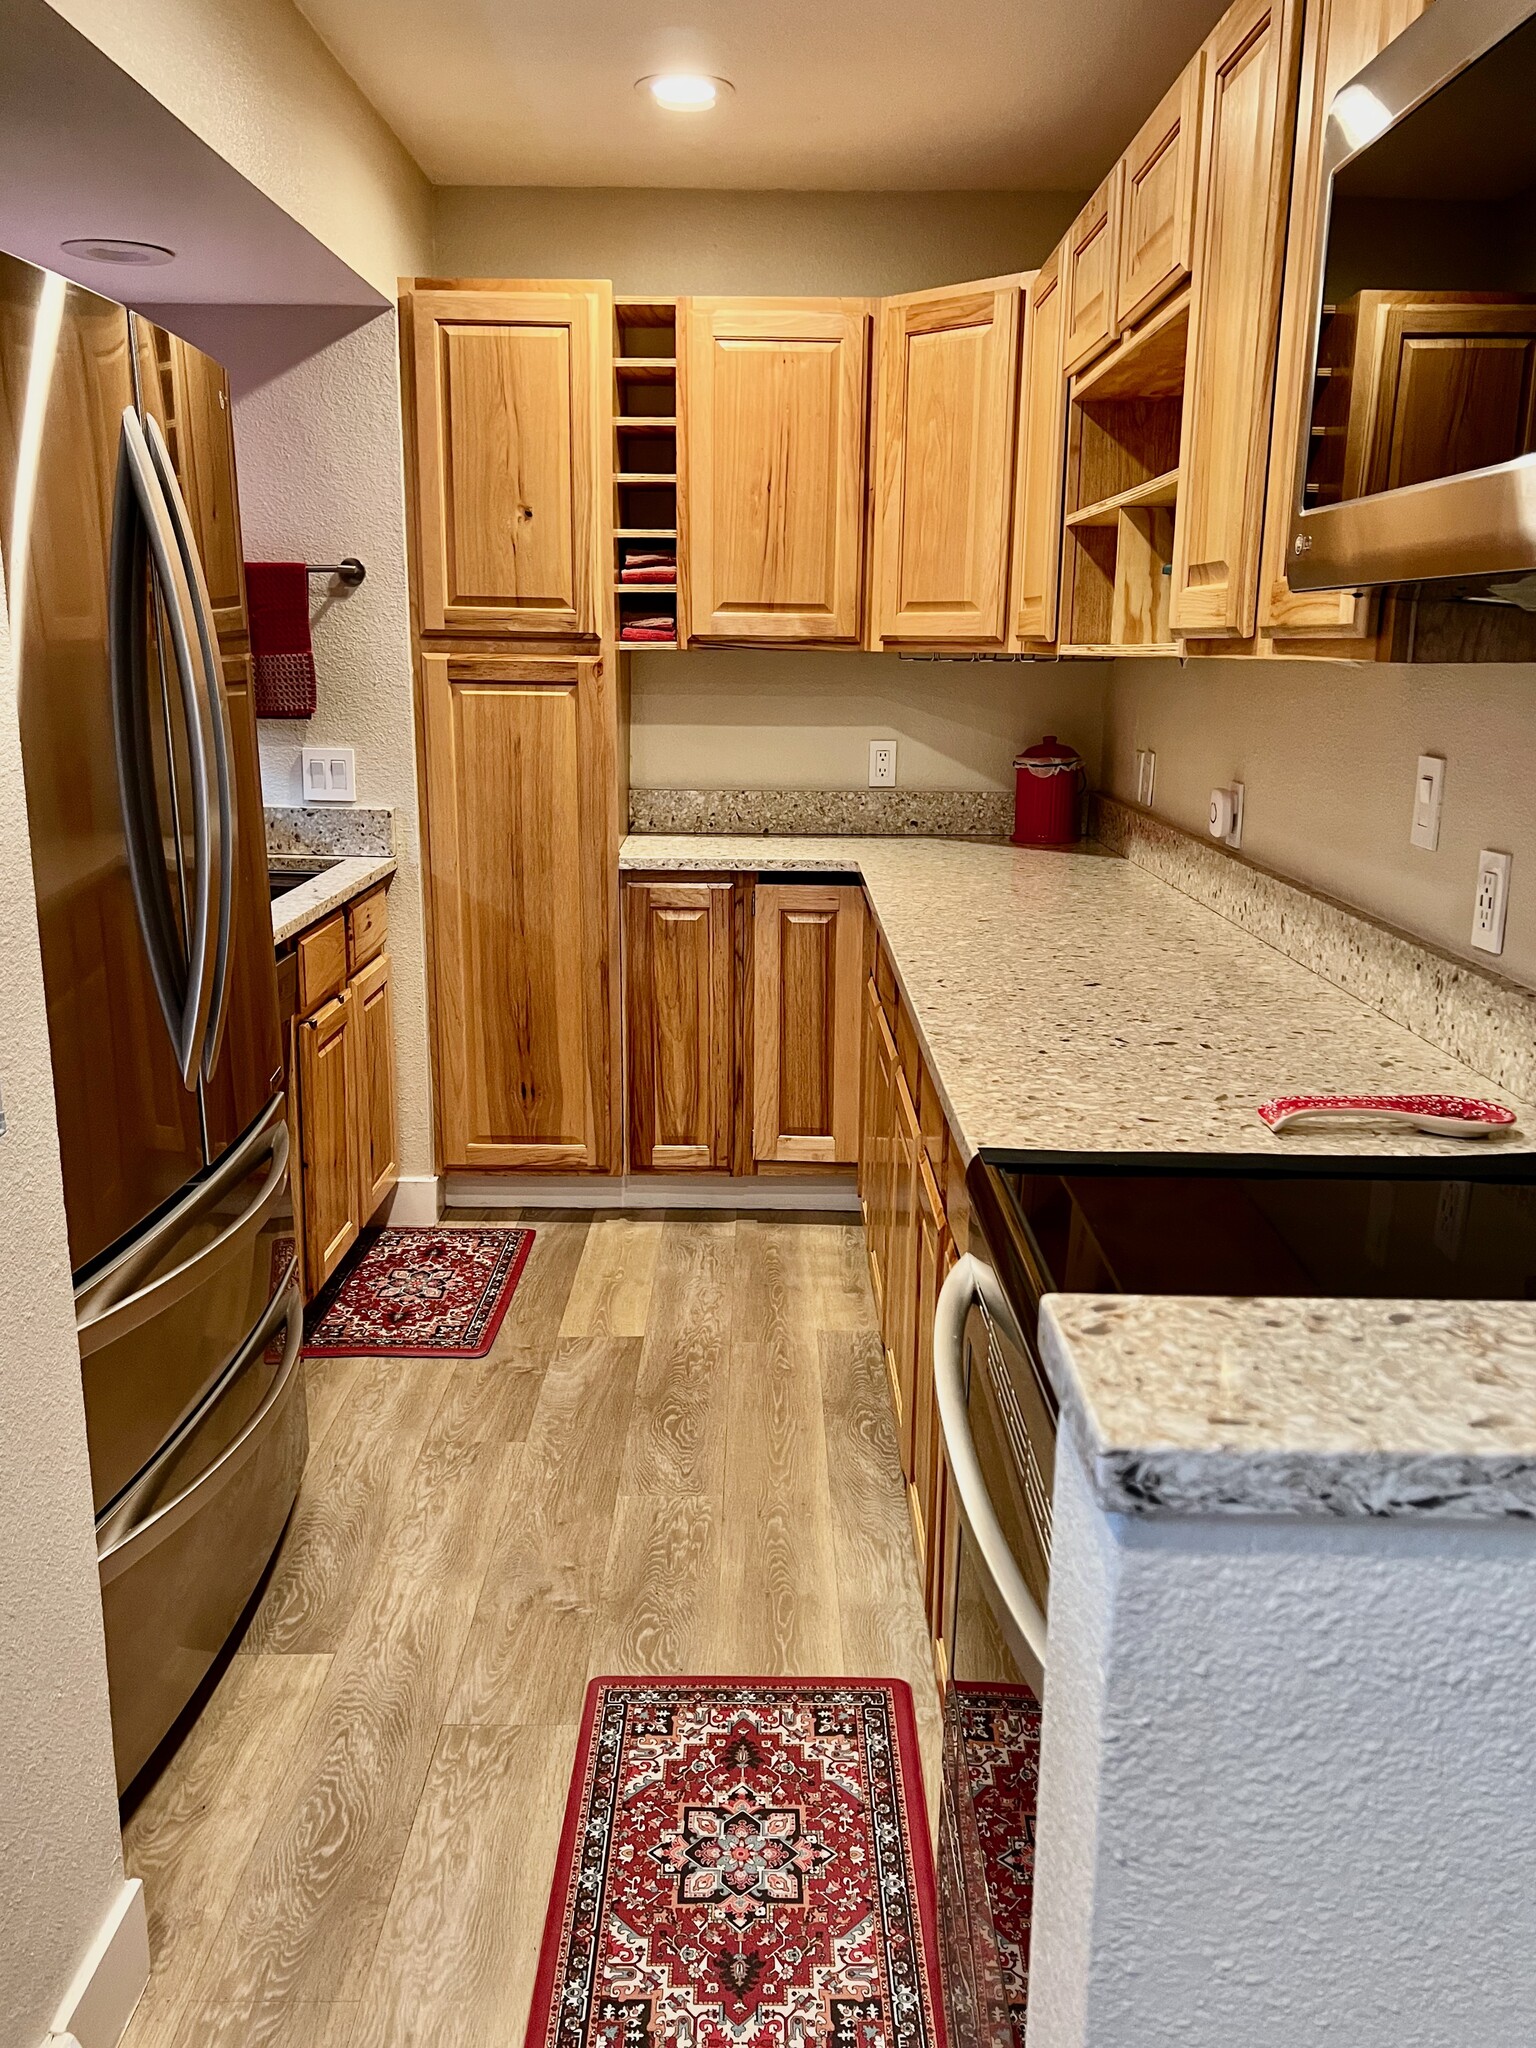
{"x": 772, "y": 453}
{"x": 188, "y": 395}
{"x": 1246, "y": 128}
{"x": 508, "y": 408}
{"x": 1157, "y": 206}
{"x": 682, "y": 1025}
{"x": 935, "y": 1256}
{"x": 1092, "y": 273}
{"x": 372, "y": 1031}
{"x": 522, "y": 840}
{"x": 328, "y": 1118}
{"x": 1042, "y": 447}
{"x": 877, "y": 1136}
{"x": 900, "y": 1317}
{"x": 946, "y": 396}
{"x": 807, "y": 973}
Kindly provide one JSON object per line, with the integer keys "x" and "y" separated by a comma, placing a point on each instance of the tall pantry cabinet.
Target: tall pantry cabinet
{"x": 507, "y": 395}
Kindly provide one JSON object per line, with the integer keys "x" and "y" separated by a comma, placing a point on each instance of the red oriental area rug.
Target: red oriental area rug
{"x": 438, "y": 1293}
{"x": 990, "y": 1856}
{"x": 744, "y": 1864}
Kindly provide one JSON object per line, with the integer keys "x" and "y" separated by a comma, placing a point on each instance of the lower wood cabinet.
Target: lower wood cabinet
{"x": 680, "y": 1015}
{"x": 327, "y": 1076}
{"x": 373, "y": 1046}
{"x": 807, "y": 971}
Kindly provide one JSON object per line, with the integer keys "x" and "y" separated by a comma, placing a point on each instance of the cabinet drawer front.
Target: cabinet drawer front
{"x": 367, "y": 927}
{"x": 322, "y": 963}
{"x": 510, "y": 415}
{"x": 774, "y": 454}
{"x": 1158, "y": 205}
{"x": 1093, "y": 262}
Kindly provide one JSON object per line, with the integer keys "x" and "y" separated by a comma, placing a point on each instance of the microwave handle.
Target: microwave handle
{"x": 969, "y": 1282}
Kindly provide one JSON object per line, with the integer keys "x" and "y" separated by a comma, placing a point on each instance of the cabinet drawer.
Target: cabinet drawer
{"x": 322, "y": 957}
{"x": 367, "y": 928}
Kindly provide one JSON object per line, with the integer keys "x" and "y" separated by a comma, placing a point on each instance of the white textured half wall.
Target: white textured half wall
{"x": 1287, "y": 1784}
{"x": 321, "y": 476}
{"x": 766, "y": 719}
{"x": 61, "y": 1864}
{"x": 1327, "y": 754}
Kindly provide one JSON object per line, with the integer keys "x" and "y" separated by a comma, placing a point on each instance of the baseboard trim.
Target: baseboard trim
{"x": 110, "y": 1981}
{"x": 834, "y": 1194}
{"x": 418, "y": 1199}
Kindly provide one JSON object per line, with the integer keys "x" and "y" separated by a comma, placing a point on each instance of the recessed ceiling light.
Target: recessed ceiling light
{"x": 99, "y": 249}
{"x": 683, "y": 92}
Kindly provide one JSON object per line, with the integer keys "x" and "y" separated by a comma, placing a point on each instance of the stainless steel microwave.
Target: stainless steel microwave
{"x": 1417, "y": 455}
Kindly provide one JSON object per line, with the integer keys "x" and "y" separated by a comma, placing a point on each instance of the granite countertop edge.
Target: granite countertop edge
{"x": 336, "y": 886}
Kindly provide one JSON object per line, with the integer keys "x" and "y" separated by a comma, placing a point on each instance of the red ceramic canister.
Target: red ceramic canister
{"x": 1049, "y": 777}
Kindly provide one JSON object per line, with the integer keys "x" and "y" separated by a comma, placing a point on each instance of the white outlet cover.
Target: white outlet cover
{"x": 1146, "y": 776}
{"x": 1428, "y": 793}
{"x": 1491, "y": 905}
{"x": 329, "y": 775}
{"x": 882, "y": 764}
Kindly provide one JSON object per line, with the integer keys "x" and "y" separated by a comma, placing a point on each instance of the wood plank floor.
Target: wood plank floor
{"x": 677, "y": 1458}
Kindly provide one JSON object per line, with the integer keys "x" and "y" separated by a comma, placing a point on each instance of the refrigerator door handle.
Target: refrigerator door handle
{"x": 970, "y": 1281}
{"x": 223, "y": 743}
{"x": 142, "y": 524}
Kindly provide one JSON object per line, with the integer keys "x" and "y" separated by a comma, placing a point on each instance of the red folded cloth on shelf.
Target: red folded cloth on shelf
{"x": 277, "y": 597}
{"x": 652, "y": 626}
{"x": 650, "y": 558}
{"x": 645, "y": 572}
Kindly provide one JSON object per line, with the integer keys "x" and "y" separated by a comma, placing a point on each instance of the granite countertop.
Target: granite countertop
{"x": 1182, "y": 1405}
{"x": 312, "y": 900}
{"x": 1070, "y": 1003}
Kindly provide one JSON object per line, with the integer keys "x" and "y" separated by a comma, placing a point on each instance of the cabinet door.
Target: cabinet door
{"x": 808, "y": 957}
{"x": 509, "y": 392}
{"x": 1250, "y": 65}
{"x": 1157, "y": 214}
{"x": 1340, "y": 38}
{"x": 328, "y": 1139}
{"x": 523, "y": 872}
{"x": 877, "y": 1137}
{"x": 947, "y": 397}
{"x": 935, "y": 1256}
{"x": 678, "y": 981}
{"x": 1038, "y": 508}
{"x": 188, "y": 393}
{"x": 373, "y": 1042}
{"x": 1093, "y": 265}
{"x": 899, "y": 1318}
{"x": 775, "y": 401}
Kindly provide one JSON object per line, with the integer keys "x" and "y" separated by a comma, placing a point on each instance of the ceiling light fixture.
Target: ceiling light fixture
{"x": 683, "y": 92}
{"x": 103, "y": 249}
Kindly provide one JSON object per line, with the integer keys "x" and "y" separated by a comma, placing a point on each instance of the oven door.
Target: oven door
{"x": 998, "y": 1429}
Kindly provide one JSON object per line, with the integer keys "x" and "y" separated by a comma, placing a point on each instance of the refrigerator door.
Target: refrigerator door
{"x": 129, "y": 1128}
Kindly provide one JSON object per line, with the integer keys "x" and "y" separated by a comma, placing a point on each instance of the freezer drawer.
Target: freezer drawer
{"x": 161, "y": 1325}
{"x": 185, "y": 1547}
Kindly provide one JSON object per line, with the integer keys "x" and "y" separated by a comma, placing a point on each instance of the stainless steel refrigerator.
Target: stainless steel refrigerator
{"x": 119, "y": 535}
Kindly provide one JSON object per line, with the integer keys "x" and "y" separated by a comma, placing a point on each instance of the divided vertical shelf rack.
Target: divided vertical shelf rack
{"x": 645, "y": 517}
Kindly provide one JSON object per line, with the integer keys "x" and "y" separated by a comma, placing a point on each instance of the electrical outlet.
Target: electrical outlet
{"x": 330, "y": 775}
{"x": 882, "y": 764}
{"x": 1428, "y": 790}
{"x": 1146, "y": 776}
{"x": 1492, "y": 902}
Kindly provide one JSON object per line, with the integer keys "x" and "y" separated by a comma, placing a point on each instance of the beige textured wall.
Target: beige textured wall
{"x": 253, "y": 79}
{"x": 1327, "y": 755}
{"x": 60, "y": 1851}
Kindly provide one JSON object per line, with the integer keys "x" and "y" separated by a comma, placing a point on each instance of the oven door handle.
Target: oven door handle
{"x": 970, "y": 1282}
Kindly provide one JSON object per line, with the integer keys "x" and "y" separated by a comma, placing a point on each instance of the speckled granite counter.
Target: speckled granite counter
{"x": 1071, "y": 1003}
{"x": 315, "y": 899}
{"x": 1200, "y": 1406}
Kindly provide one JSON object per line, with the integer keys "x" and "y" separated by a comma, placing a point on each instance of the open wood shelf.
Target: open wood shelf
{"x": 645, "y": 423}
{"x": 645, "y": 369}
{"x": 645, "y": 589}
{"x": 645, "y": 533}
{"x": 1157, "y": 490}
{"x": 640, "y": 477}
{"x": 645, "y": 429}
{"x": 1149, "y": 362}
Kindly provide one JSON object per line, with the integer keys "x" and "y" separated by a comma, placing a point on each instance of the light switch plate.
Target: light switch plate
{"x": 1146, "y": 776}
{"x": 1428, "y": 791}
{"x": 1491, "y": 905}
{"x": 329, "y": 775}
{"x": 882, "y": 764}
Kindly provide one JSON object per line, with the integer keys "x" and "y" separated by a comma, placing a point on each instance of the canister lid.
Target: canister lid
{"x": 1049, "y": 756}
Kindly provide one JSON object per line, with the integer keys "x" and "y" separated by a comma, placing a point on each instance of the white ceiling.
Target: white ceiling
{"x": 853, "y": 95}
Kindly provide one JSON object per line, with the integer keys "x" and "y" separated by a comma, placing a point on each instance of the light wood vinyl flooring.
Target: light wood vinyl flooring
{"x": 677, "y": 1458}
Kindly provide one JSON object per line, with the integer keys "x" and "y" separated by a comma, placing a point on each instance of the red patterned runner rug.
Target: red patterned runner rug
{"x": 744, "y": 1864}
{"x": 992, "y": 1747}
{"x": 434, "y": 1293}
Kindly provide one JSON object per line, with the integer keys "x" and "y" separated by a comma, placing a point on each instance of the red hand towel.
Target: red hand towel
{"x": 277, "y": 595}
{"x": 661, "y": 572}
{"x": 654, "y": 626}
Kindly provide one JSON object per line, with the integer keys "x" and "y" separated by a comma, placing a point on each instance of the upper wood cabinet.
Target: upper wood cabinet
{"x": 1092, "y": 273}
{"x": 773, "y": 397}
{"x": 188, "y": 394}
{"x": 808, "y": 960}
{"x": 1042, "y": 443}
{"x": 1250, "y": 70}
{"x": 945, "y": 403}
{"x": 522, "y": 868}
{"x": 1157, "y": 206}
{"x": 1340, "y": 37}
{"x": 508, "y": 387}
{"x": 679, "y": 979}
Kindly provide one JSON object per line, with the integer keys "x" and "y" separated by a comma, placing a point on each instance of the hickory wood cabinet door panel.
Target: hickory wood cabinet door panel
{"x": 509, "y": 394}
{"x": 899, "y": 1320}
{"x": 935, "y": 1256}
{"x": 1157, "y": 206}
{"x": 1339, "y": 38}
{"x": 946, "y": 401}
{"x": 774, "y": 397}
{"x": 1042, "y": 453}
{"x": 679, "y": 976}
{"x": 877, "y": 1137}
{"x": 373, "y": 1051}
{"x": 1092, "y": 273}
{"x": 807, "y": 961}
{"x": 523, "y": 888}
{"x": 1246, "y": 126}
{"x": 328, "y": 1138}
